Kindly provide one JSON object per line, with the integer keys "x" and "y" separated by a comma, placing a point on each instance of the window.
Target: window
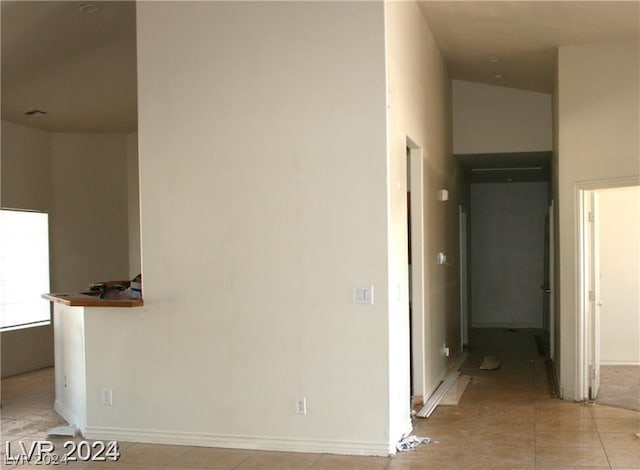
{"x": 24, "y": 269}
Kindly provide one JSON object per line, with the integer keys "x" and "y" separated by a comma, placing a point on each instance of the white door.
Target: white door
{"x": 595, "y": 302}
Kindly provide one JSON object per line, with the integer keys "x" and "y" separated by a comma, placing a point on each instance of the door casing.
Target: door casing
{"x": 587, "y": 331}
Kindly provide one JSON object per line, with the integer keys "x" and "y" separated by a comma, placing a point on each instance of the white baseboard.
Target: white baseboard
{"x": 70, "y": 417}
{"x": 608, "y": 363}
{"x": 9, "y": 371}
{"x": 239, "y": 442}
{"x": 458, "y": 360}
{"x": 447, "y": 380}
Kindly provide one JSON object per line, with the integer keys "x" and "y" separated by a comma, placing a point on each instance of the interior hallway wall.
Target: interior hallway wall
{"x": 419, "y": 97}
{"x": 507, "y": 254}
{"x": 494, "y": 119}
{"x": 598, "y": 139}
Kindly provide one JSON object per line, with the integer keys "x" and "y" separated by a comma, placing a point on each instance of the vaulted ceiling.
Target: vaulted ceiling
{"x": 517, "y": 40}
{"x": 79, "y": 65}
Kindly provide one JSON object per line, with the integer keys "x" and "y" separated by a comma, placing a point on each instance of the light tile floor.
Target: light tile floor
{"x": 506, "y": 419}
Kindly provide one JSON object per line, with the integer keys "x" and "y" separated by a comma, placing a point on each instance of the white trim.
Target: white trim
{"x": 582, "y": 205}
{"x": 446, "y": 382}
{"x": 583, "y": 201}
{"x": 416, "y": 184}
{"x": 287, "y": 444}
{"x": 552, "y": 281}
{"x": 459, "y": 360}
{"x": 70, "y": 417}
{"x": 11, "y": 371}
{"x": 24, "y": 326}
{"x": 608, "y": 183}
{"x": 616, "y": 363}
{"x": 431, "y": 404}
{"x": 464, "y": 277}
{"x": 580, "y": 289}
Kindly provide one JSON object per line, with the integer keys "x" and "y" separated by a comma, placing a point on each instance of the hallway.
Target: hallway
{"x": 506, "y": 419}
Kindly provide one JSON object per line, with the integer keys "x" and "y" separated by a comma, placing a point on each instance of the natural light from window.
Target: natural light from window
{"x": 24, "y": 269}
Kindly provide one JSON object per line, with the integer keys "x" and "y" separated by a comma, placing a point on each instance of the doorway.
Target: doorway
{"x": 508, "y": 215}
{"x": 609, "y": 279}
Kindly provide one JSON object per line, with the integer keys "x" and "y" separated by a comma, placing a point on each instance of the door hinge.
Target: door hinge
{"x": 592, "y": 296}
{"x": 591, "y": 217}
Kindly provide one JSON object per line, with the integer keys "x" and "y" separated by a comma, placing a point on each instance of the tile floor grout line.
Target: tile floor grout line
{"x": 243, "y": 460}
{"x": 468, "y": 440}
{"x": 317, "y": 460}
{"x": 604, "y": 449}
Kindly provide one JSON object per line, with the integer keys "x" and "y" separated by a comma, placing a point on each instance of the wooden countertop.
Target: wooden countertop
{"x": 83, "y": 299}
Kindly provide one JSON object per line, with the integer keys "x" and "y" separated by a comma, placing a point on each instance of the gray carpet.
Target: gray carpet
{"x": 620, "y": 386}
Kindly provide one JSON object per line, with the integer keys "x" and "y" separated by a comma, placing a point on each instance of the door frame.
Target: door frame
{"x": 590, "y": 291}
{"x": 585, "y": 335}
{"x": 464, "y": 278}
{"x": 552, "y": 277}
{"x": 415, "y": 185}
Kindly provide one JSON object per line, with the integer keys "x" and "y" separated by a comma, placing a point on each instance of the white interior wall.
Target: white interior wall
{"x": 493, "y": 119}
{"x": 598, "y": 122}
{"x": 507, "y": 254}
{"x": 133, "y": 204}
{"x": 71, "y": 364}
{"x": 419, "y": 100}
{"x": 89, "y": 234}
{"x": 256, "y": 123}
{"x": 619, "y": 222}
{"x": 81, "y": 180}
{"x": 26, "y": 169}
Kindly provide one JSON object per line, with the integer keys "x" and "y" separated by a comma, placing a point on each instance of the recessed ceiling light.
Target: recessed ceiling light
{"x": 498, "y": 76}
{"x": 493, "y": 59}
{"x": 35, "y": 112}
{"x": 88, "y": 8}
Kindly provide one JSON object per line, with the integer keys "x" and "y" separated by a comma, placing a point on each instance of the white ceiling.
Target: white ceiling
{"x": 523, "y": 35}
{"x": 81, "y": 68}
{"x": 78, "y": 67}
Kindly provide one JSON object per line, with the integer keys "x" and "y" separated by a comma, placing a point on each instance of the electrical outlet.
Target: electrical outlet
{"x": 301, "y": 406}
{"x": 363, "y": 294}
{"x": 107, "y": 397}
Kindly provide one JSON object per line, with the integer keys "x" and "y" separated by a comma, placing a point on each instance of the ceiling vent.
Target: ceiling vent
{"x": 35, "y": 112}
{"x": 88, "y": 8}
